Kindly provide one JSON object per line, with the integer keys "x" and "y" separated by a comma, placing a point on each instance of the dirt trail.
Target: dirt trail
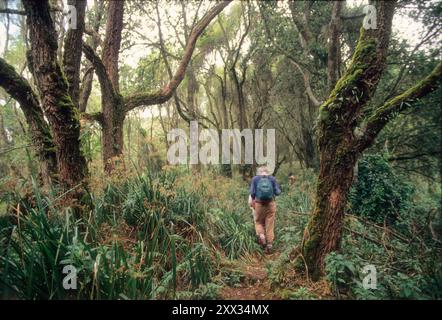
{"x": 255, "y": 285}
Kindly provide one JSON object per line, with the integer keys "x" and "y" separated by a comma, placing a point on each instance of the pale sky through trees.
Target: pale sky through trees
{"x": 407, "y": 29}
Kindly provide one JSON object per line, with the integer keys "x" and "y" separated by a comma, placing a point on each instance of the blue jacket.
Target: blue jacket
{"x": 255, "y": 180}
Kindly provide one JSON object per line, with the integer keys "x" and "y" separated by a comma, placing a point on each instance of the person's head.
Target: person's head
{"x": 262, "y": 171}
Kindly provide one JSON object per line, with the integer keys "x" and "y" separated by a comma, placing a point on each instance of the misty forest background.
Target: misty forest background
{"x": 84, "y": 178}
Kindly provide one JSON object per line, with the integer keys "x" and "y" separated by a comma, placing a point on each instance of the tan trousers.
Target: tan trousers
{"x": 265, "y": 219}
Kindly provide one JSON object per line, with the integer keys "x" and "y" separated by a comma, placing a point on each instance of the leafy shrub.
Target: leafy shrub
{"x": 379, "y": 194}
{"x": 131, "y": 245}
{"x": 209, "y": 291}
{"x": 408, "y": 264}
{"x": 235, "y": 237}
{"x": 301, "y": 293}
{"x": 232, "y": 278}
{"x": 340, "y": 271}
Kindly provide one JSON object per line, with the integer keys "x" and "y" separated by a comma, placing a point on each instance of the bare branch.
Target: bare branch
{"x": 94, "y": 34}
{"x": 333, "y": 47}
{"x": 71, "y": 55}
{"x": 357, "y": 16}
{"x": 100, "y": 70}
{"x": 93, "y": 117}
{"x": 13, "y": 11}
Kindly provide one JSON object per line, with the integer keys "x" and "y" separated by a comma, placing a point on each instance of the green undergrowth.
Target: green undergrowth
{"x": 149, "y": 237}
{"x": 181, "y": 235}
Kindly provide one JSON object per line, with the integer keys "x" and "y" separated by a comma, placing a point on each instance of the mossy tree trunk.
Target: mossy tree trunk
{"x": 72, "y": 58}
{"x": 339, "y": 145}
{"x": 41, "y": 137}
{"x": 112, "y": 135}
{"x": 112, "y": 107}
{"x": 56, "y": 101}
{"x": 93, "y": 41}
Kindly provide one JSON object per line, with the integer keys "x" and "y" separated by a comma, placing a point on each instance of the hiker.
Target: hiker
{"x": 292, "y": 178}
{"x": 252, "y": 206}
{"x": 263, "y": 190}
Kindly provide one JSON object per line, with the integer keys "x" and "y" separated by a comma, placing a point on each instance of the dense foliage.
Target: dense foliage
{"x": 145, "y": 238}
{"x": 379, "y": 193}
{"x": 140, "y": 229}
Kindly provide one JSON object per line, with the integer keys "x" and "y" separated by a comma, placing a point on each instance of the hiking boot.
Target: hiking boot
{"x": 269, "y": 248}
{"x": 262, "y": 240}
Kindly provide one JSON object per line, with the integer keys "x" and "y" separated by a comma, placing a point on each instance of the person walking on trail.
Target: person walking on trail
{"x": 292, "y": 179}
{"x": 263, "y": 191}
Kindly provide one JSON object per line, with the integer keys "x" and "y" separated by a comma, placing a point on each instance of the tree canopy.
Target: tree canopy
{"x": 90, "y": 92}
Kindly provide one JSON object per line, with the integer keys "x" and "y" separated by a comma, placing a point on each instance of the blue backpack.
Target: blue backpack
{"x": 264, "y": 189}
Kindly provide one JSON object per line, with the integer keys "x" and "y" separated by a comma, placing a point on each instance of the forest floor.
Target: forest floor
{"x": 255, "y": 284}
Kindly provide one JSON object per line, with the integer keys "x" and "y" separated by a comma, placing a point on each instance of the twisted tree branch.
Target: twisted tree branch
{"x": 382, "y": 115}
{"x": 100, "y": 70}
{"x": 166, "y": 92}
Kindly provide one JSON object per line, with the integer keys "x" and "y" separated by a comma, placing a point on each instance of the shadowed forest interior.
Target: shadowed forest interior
{"x": 90, "y": 90}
